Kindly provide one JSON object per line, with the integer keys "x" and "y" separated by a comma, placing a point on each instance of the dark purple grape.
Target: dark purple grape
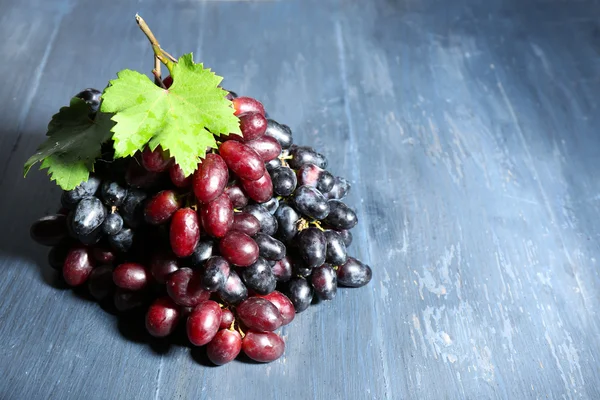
{"x": 132, "y": 210}
{"x": 184, "y": 232}
{"x": 300, "y": 268}
{"x": 69, "y": 199}
{"x": 231, "y": 95}
{"x": 161, "y": 207}
{"x": 242, "y": 105}
{"x": 341, "y": 187}
{"x": 122, "y": 241}
{"x": 217, "y": 216}
{"x": 354, "y": 273}
{"x": 214, "y": 274}
{"x": 269, "y": 247}
{"x": 311, "y": 175}
{"x": 156, "y": 160}
{"x": 224, "y": 347}
{"x": 205, "y": 249}
{"x": 287, "y": 221}
{"x": 100, "y": 283}
{"x": 310, "y": 202}
{"x": 259, "y": 277}
{"x": 306, "y": 155}
{"x": 340, "y": 215}
{"x": 312, "y": 246}
{"x": 259, "y": 190}
{"x": 300, "y": 292}
{"x": 266, "y": 147}
{"x": 283, "y": 304}
{"x": 336, "y": 248}
{"x": 130, "y": 276}
{"x": 263, "y": 346}
{"x": 88, "y": 216}
{"x": 346, "y": 235}
{"x": 242, "y": 160}
{"x": 259, "y": 314}
{"x": 282, "y": 270}
{"x": 91, "y": 97}
{"x": 78, "y": 266}
{"x": 247, "y": 223}
{"x": 268, "y": 223}
{"x": 113, "y": 194}
{"x": 113, "y": 223}
{"x": 227, "y": 318}
{"x": 210, "y": 178}
{"x": 236, "y": 194}
{"x": 203, "y": 323}
{"x": 324, "y": 282}
{"x": 272, "y": 166}
{"x": 162, "y": 317}
{"x": 185, "y": 287}
{"x": 284, "y": 181}
{"x": 234, "y": 290}
{"x": 162, "y": 264}
{"x": 49, "y": 230}
{"x": 238, "y": 248}
{"x": 281, "y": 133}
{"x": 271, "y": 205}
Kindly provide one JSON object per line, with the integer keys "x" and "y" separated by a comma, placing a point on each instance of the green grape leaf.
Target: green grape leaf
{"x": 74, "y": 143}
{"x": 182, "y": 119}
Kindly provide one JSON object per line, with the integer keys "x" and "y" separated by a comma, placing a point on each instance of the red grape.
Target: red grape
{"x": 203, "y": 323}
{"x": 224, "y": 347}
{"x": 162, "y": 317}
{"x": 227, "y": 318}
{"x": 217, "y": 216}
{"x": 162, "y": 265}
{"x": 253, "y": 125}
{"x": 259, "y": 190}
{"x": 242, "y": 160}
{"x": 184, "y": 232}
{"x": 49, "y": 230}
{"x": 239, "y": 248}
{"x": 266, "y": 147}
{"x": 155, "y": 160}
{"x": 103, "y": 255}
{"x": 210, "y": 178}
{"x": 168, "y": 81}
{"x": 178, "y": 178}
{"x": 243, "y": 105}
{"x": 237, "y": 196}
{"x": 283, "y": 304}
{"x": 246, "y": 223}
{"x": 185, "y": 287}
{"x": 78, "y": 266}
{"x": 259, "y": 314}
{"x": 130, "y": 276}
{"x": 138, "y": 177}
{"x": 161, "y": 207}
{"x": 263, "y": 346}
{"x": 126, "y": 300}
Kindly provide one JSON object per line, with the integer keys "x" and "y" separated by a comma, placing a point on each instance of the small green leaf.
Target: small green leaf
{"x": 182, "y": 119}
{"x": 74, "y": 143}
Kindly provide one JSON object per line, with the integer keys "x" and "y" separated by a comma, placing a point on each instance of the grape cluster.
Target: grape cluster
{"x": 236, "y": 250}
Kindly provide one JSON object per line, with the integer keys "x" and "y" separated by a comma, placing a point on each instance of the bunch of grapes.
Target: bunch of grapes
{"x": 235, "y": 250}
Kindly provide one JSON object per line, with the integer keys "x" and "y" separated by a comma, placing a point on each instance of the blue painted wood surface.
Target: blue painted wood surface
{"x": 470, "y": 131}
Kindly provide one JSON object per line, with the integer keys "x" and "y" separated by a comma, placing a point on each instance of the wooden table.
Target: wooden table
{"x": 470, "y": 130}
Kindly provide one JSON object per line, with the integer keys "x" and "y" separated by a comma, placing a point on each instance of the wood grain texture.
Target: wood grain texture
{"x": 470, "y": 131}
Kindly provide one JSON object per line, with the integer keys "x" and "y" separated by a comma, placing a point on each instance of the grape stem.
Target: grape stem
{"x": 159, "y": 53}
